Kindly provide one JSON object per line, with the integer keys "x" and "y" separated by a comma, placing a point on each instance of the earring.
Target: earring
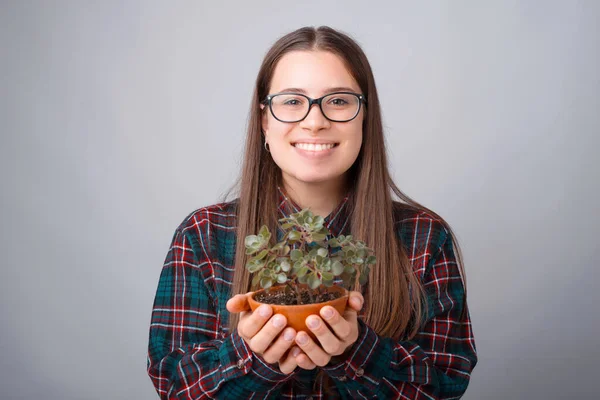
{"x": 266, "y": 147}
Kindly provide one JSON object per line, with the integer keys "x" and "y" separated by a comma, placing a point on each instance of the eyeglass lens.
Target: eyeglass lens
{"x": 294, "y": 107}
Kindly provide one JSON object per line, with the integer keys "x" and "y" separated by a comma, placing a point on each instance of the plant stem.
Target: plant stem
{"x": 310, "y": 296}
{"x": 297, "y": 291}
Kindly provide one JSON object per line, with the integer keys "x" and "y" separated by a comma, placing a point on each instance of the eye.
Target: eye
{"x": 289, "y": 101}
{"x": 339, "y": 102}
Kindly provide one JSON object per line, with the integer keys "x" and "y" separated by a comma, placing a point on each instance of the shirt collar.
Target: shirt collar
{"x": 338, "y": 221}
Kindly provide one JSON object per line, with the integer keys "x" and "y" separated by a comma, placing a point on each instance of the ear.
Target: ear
{"x": 264, "y": 120}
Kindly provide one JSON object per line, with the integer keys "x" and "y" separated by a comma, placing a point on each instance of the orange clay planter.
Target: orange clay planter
{"x": 296, "y": 314}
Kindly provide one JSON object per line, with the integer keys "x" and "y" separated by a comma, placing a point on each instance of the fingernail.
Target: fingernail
{"x": 264, "y": 311}
{"x": 278, "y": 321}
{"x": 302, "y": 339}
{"x": 313, "y": 323}
{"x": 328, "y": 312}
{"x": 288, "y": 335}
{"x": 296, "y": 351}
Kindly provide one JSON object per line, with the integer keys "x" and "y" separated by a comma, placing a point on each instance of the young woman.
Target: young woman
{"x": 315, "y": 140}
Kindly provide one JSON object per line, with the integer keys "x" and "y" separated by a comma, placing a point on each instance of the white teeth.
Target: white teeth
{"x": 314, "y": 147}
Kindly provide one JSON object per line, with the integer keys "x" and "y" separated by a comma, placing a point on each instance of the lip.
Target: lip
{"x": 314, "y": 141}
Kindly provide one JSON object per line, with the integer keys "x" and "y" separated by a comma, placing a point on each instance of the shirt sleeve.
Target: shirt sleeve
{"x": 436, "y": 363}
{"x": 187, "y": 356}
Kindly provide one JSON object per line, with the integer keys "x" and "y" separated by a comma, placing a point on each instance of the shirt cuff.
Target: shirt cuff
{"x": 238, "y": 360}
{"x": 369, "y": 360}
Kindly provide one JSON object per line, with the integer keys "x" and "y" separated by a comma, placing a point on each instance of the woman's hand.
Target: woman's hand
{"x": 263, "y": 334}
{"x": 335, "y": 334}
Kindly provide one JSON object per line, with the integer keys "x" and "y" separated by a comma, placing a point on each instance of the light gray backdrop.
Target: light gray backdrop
{"x": 118, "y": 118}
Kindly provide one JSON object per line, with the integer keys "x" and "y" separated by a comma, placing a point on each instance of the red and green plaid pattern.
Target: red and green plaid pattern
{"x": 191, "y": 354}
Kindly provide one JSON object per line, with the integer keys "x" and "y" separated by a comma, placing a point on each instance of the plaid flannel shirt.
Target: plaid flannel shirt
{"x": 191, "y": 354}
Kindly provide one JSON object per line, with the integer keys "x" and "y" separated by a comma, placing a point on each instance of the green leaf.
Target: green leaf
{"x": 327, "y": 276}
{"x": 285, "y": 265}
{"x": 266, "y": 283}
{"x": 286, "y": 250}
{"x": 302, "y": 279}
{"x": 337, "y": 268}
{"x": 327, "y": 283}
{"x": 297, "y": 265}
{"x": 254, "y": 266}
{"x": 251, "y": 240}
{"x": 261, "y": 255}
{"x": 322, "y": 252}
{"x": 264, "y": 232}
{"x": 313, "y": 281}
{"x": 371, "y": 260}
{"x": 364, "y": 277}
{"x": 334, "y": 242}
{"x": 281, "y": 278}
{"x": 255, "y": 280}
{"x": 294, "y": 236}
{"x": 302, "y": 271}
{"x": 318, "y": 237}
{"x": 296, "y": 255}
{"x": 287, "y": 225}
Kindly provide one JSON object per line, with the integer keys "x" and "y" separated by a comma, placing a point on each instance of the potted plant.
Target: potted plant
{"x": 297, "y": 274}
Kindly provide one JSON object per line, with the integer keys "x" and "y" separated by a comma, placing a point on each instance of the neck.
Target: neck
{"x": 320, "y": 197}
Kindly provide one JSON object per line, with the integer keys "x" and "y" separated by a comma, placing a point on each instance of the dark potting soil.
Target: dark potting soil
{"x": 290, "y": 297}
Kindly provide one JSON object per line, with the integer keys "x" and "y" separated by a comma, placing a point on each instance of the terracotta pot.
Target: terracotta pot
{"x": 296, "y": 314}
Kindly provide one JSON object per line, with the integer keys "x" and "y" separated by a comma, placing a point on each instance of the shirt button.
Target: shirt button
{"x": 360, "y": 372}
{"x": 343, "y": 378}
{"x": 240, "y": 364}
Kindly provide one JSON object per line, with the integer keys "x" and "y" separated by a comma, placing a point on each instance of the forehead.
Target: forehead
{"x": 313, "y": 71}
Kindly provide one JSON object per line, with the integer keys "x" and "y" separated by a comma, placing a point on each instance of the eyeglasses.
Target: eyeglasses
{"x": 294, "y": 107}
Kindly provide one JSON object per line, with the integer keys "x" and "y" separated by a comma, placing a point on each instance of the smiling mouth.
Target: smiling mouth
{"x": 315, "y": 147}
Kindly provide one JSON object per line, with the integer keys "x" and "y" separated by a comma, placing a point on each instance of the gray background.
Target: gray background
{"x": 120, "y": 118}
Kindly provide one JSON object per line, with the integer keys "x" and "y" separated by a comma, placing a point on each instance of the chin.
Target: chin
{"x": 314, "y": 177}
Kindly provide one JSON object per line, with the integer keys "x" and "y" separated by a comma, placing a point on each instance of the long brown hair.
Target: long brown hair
{"x": 371, "y": 188}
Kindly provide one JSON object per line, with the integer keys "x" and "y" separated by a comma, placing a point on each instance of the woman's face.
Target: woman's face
{"x": 313, "y": 73}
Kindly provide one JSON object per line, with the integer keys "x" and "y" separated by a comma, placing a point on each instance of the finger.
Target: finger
{"x": 253, "y": 322}
{"x": 304, "y": 361}
{"x": 316, "y": 354}
{"x": 289, "y": 364}
{"x": 341, "y": 325}
{"x": 263, "y": 339}
{"x": 276, "y": 351}
{"x": 329, "y": 342}
{"x": 238, "y": 303}
{"x": 356, "y": 300}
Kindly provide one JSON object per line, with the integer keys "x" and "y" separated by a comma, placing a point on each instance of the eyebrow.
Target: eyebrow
{"x": 328, "y": 90}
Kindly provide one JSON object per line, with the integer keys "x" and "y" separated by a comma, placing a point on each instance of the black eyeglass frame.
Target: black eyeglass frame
{"x": 268, "y": 101}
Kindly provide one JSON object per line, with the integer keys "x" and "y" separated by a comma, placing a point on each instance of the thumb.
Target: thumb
{"x": 356, "y": 301}
{"x": 238, "y": 303}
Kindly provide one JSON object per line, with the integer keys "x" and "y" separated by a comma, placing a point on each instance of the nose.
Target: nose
{"x": 315, "y": 120}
